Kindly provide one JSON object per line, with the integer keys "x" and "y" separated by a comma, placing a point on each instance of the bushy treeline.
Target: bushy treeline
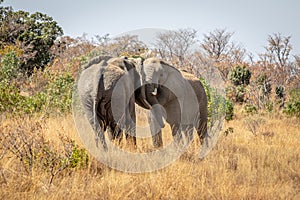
{"x": 43, "y": 92}
{"x": 38, "y": 65}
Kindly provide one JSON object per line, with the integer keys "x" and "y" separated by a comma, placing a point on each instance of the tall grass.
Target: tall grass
{"x": 243, "y": 165}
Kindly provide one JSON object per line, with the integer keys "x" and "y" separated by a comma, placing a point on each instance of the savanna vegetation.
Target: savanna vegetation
{"x": 41, "y": 157}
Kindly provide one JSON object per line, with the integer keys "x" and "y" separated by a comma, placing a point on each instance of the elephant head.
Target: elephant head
{"x": 156, "y": 75}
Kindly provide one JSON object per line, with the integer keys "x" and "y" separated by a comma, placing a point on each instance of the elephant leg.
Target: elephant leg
{"x": 202, "y": 126}
{"x": 202, "y": 130}
{"x": 176, "y": 133}
{"x": 130, "y": 118}
{"x": 115, "y": 133}
{"x": 157, "y": 140}
{"x": 174, "y": 118}
{"x": 99, "y": 127}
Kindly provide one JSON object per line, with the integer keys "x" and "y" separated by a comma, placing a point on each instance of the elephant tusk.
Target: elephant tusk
{"x": 154, "y": 92}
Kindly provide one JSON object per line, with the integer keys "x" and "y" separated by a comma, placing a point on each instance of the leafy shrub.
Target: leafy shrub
{"x": 35, "y": 153}
{"x": 293, "y": 106}
{"x": 240, "y": 75}
{"x": 59, "y": 92}
{"x": 240, "y": 92}
{"x": 55, "y": 97}
{"x": 229, "y": 110}
{"x": 217, "y": 105}
{"x": 10, "y": 97}
{"x": 9, "y": 67}
{"x": 240, "y": 78}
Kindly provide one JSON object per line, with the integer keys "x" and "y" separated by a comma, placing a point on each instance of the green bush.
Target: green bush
{"x": 56, "y": 97}
{"x": 240, "y": 75}
{"x": 218, "y": 106}
{"x": 229, "y": 110}
{"x": 9, "y": 67}
{"x": 59, "y": 92}
{"x": 293, "y": 106}
{"x": 10, "y": 97}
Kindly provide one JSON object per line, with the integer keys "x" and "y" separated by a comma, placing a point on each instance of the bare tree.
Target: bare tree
{"x": 175, "y": 46}
{"x": 279, "y": 48}
{"x": 103, "y": 40}
{"x": 277, "y": 59}
{"x": 216, "y": 44}
{"x": 126, "y": 44}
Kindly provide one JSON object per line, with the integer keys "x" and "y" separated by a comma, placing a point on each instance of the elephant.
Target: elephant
{"x": 106, "y": 91}
{"x": 177, "y": 95}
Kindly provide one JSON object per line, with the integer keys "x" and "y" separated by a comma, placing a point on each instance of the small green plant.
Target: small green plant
{"x": 250, "y": 109}
{"x": 78, "y": 157}
{"x": 269, "y": 106}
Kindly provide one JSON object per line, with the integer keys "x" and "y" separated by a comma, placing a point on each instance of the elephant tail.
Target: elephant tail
{"x": 99, "y": 126}
{"x": 99, "y": 123}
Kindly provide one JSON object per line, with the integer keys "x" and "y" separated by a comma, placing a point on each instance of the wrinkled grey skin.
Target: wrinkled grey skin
{"x": 162, "y": 82}
{"x": 95, "y": 88}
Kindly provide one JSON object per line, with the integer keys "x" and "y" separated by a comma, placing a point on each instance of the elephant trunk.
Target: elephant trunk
{"x": 144, "y": 99}
{"x": 156, "y": 109}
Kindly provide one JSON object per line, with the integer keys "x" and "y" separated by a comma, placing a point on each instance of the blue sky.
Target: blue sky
{"x": 251, "y": 21}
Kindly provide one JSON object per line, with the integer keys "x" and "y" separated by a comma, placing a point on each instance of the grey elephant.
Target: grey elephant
{"x": 178, "y": 96}
{"x": 106, "y": 91}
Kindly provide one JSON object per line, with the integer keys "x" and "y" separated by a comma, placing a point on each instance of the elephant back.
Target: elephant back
{"x": 96, "y": 60}
{"x": 122, "y": 63}
{"x": 111, "y": 75}
{"x": 198, "y": 89}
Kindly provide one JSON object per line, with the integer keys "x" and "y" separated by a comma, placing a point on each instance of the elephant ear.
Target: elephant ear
{"x": 174, "y": 80}
{"x": 119, "y": 62}
{"x": 128, "y": 64}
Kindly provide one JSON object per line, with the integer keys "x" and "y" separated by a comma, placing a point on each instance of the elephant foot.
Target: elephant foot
{"x": 158, "y": 145}
{"x": 157, "y": 140}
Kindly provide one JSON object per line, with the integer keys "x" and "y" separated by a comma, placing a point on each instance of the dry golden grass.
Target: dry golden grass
{"x": 243, "y": 165}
